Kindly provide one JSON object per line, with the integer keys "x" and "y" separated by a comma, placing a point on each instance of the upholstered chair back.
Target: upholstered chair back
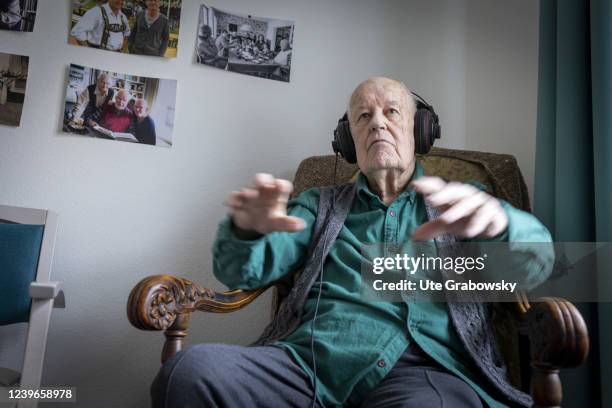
{"x": 498, "y": 173}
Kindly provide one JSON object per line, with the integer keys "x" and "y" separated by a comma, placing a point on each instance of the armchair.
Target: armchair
{"x": 547, "y": 334}
{"x": 27, "y": 240}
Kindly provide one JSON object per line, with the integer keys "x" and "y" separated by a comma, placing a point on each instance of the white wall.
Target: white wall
{"x": 128, "y": 211}
{"x": 502, "y": 80}
{"x": 476, "y": 61}
{"x": 432, "y": 61}
{"x": 163, "y": 110}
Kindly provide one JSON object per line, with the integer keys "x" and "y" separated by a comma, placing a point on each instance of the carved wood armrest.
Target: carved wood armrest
{"x": 558, "y": 338}
{"x": 164, "y": 302}
{"x": 156, "y": 301}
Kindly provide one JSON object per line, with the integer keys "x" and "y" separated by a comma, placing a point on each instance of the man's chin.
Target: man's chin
{"x": 379, "y": 164}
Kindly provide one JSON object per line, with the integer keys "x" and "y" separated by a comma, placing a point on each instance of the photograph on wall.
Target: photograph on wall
{"x": 142, "y": 27}
{"x": 122, "y": 107}
{"x": 17, "y": 15}
{"x": 245, "y": 44}
{"x": 13, "y": 78}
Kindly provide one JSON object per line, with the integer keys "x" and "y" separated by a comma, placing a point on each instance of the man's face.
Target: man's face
{"x": 115, "y": 5}
{"x": 381, "y": 120}
{"x": 121, "y": 101}
{"x": 153, "y": 5}
{"x": 205, "y": 32}
{"x": 103, "y": 84}
{"x": 140, "y": 108}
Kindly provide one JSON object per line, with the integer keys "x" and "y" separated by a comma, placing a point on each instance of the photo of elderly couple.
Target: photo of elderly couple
{"x": 143, "y": 27}
{"x": 249, "y": 45}
{"x": 17, "y": 15}
{"x": 120, "y": 107}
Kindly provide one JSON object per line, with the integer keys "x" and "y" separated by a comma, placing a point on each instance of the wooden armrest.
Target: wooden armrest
{"x": 155, "y": 301}
{"x": 558, "y": 338}
{"x": 164, "y": 302}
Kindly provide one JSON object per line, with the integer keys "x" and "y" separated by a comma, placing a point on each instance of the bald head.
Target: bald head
{"x": 141, "y": 108}
{"x": 381, "y": 85}
{"x": 381, "y": 118}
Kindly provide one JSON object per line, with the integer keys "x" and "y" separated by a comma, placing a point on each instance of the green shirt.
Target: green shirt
{"x": 357, "y": 342}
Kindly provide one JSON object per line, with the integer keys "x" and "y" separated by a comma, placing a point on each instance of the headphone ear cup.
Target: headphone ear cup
{"x": 343, "y": 141}
{"x": 424, "y": 125}
{"x": 347, "y": 143}
{"x": 437, "y": 132}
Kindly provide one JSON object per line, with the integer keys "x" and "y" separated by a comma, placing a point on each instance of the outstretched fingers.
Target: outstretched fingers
{"x": 263, "y": 207}
{"x": 466, "y": 211}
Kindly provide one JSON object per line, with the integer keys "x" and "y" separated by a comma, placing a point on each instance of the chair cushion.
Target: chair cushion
{"x": 19, "y": 251}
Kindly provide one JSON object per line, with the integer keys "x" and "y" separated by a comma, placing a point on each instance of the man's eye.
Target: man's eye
{"x": 393, "y": 111}
{"x": 364, "y": 115}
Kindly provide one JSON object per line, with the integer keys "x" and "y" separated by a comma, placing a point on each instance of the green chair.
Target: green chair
{"x": 27, "y": 294}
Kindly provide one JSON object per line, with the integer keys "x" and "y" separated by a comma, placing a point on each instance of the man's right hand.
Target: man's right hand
{"x": 262, "y": 209}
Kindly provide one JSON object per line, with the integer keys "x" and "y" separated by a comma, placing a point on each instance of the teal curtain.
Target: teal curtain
{"x": 573, "y": 180}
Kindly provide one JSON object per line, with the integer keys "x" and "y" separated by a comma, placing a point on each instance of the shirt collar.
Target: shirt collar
{"x": 97, "y": 92}
{"x": 364, "y": 191}
{"x": 110, "y": 10}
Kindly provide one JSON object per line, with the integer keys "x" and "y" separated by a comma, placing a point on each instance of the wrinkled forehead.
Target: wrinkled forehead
{"x": 379, "y": 93}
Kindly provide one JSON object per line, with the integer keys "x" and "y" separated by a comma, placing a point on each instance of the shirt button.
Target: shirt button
{"x": 392, "y": 213}
{"x": 381, "y": 363}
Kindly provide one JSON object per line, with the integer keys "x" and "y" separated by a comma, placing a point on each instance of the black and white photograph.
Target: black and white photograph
{"x": 13, "y": 79}
{"x": 123, "y": 107}
{"x": 142, "y": 27}
{"x": 242, "y": 43}
{"x": 18, "y": 15}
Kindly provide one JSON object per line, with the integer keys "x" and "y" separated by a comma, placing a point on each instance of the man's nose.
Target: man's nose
{"x": 377, "y": 122}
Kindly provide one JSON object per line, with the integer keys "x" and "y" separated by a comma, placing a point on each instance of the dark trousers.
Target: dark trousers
{"x": 219, "y": 375}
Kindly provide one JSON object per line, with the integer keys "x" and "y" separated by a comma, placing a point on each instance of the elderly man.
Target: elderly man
{"x": 151, "y": 33}
{"x": 143, "y": 126}
{"x": 92, "y": 100}
{"x": 282, "y": 57}
{"x": 223, "y": 44}
{"x": 368, "y": 354}
{"x": 207, "y": 50}
{"x": 103, "y": 26}
{"x": 116, "y": 117}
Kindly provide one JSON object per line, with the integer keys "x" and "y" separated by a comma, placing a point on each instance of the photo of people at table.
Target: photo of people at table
{"x": 249, "y": 45}
{"x": 143, "y": 27}
{"x": 17, "y": 15}
{"x": 119, "y": 107}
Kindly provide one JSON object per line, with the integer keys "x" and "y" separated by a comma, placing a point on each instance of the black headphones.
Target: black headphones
{"x": 426, "y": 131}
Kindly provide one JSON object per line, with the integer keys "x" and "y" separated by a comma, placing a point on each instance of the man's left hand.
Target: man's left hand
{"x": 466, "y": 211}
